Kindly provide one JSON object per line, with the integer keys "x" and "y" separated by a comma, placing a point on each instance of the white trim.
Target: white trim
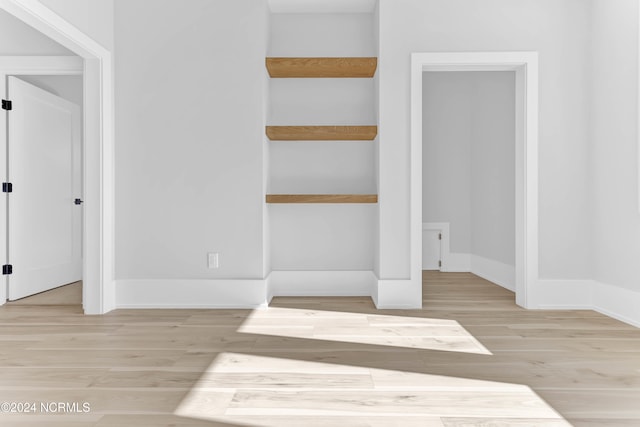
{"x": 398, "y": 294}
{"x": 41, "y": 65}
{"x": 321, "y": 283}
{"x": 99, "y": 287}
{"x": 25, "y": 65}
{"x": 525, "y": 64}
{"x": 612, "y": 301}
{"x": 494, "y": 271}
{"x": 267, "y": 283}
{"x": 189, "y": 294}
{"x": 616, "y": 302}
{"x": 562, "y": 295}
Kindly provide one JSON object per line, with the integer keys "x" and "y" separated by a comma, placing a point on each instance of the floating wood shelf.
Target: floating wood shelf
{"x": 322, "y": 133}
{"x": 322, "y": 198}
{"x": 322, "y": 67}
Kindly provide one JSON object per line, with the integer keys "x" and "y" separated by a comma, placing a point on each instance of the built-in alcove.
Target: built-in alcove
{"x": 321, "y": 139}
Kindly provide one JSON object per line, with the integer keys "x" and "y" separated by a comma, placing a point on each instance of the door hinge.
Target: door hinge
{"x": 439, "y": 263}
{"x": 440, "y": 236}
{"x": 7, "y": 187}
{"x": 7, "y": 105}
{"x": 7, "y": 269}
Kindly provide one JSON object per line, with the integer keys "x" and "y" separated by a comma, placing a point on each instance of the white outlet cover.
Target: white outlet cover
{"x": 213, "y": 260}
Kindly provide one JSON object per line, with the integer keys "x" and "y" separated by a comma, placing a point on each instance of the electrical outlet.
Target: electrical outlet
{"x": 213, "y": 260}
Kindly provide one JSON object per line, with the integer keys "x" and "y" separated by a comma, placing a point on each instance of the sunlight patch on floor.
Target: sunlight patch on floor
{"x": 360, "y": 328}
{"x": 271, "y": 391}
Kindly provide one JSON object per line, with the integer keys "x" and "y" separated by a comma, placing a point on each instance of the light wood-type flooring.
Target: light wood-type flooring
{"x": 470, "y": 357}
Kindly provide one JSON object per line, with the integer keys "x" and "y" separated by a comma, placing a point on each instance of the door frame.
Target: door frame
{"x": 98, "y": 292}
{"x": 525, "y": 65}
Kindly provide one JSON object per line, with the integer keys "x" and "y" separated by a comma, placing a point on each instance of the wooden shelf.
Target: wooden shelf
{"x": 321, "y": 67}
{"x": 322, "y": 198}
{"x": 322, "y": 133}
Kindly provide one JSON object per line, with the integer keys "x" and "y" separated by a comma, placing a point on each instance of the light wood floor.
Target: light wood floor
{"x": 70, "y": 294}
{"x": 470, "y": 357}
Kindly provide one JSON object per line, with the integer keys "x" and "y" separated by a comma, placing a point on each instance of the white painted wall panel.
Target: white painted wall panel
{"x": 322, "y": 237}
{"x": 493, "y": 211}
{"x": 322, "y": 102}
{"x": 327, "y": 167}
{"x": 325, "y": 34}
{"x": 614, "y": 159}
{"x": 190, "y": 138}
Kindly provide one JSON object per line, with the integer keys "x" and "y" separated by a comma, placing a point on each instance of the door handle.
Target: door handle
{"x": 78, "y": 201}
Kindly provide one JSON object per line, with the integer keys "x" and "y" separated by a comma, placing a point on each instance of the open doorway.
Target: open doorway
{"x": 43, "y": 183}
{"x": 98, "y": 288}
{"x": 468, "y": 188}
{"x": 44, "y": 164}
{"x": 525, "y": 66}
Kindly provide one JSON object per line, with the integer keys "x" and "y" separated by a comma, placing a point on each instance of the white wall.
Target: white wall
{"x": 19, "y": 39}
{"x": 446, "y": 154}
{"x": 322, "y": 34}
{"x": 189, "y": 138}
{"x": 614, "y": 159}
{"x": 493, "y": 173}
{"x": 559, "y": 31}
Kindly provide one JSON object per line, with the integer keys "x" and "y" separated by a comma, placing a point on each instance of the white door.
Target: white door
{"x": 44, "y": 168}
{"x": 431, "y": 249}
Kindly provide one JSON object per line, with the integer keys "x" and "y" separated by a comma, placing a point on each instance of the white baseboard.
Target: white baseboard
{"x": 456, "y": 263}
{"x": 243, "y": 294}
{"x": 620, "y": 303}
{"x": 321, "y": 283}
{"x": 494, "y": 271}
{"x": 269, "y": 288}
{"x": 613, "y": 301}
{"x": 398, "y": 294}
{"x": 562, "y": 295}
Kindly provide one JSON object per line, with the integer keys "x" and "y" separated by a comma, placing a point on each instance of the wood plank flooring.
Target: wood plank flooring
{"x": 70, "y": 294}
{"x": 470, "y": 357}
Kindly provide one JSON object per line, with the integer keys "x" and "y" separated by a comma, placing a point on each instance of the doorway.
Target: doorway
{"x": 469, "y": 173}
{"x": 98, "y": 294}
{"x": 41, "y": 208}
{"x": 525, "y": 65}
{"x": 44, "y": 164}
